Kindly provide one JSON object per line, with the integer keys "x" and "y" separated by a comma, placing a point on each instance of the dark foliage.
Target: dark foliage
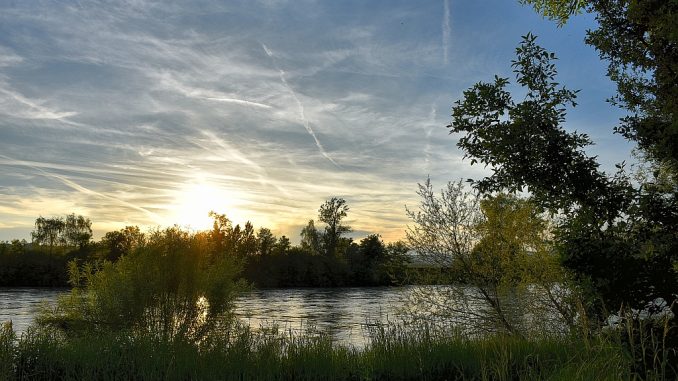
{"x": 619, "y": 239}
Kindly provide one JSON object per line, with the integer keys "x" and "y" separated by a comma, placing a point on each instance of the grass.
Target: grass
{"x": 392, "y": 354}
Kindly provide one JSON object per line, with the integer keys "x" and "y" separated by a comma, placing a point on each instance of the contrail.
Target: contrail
{"x": 37, "y": 111}
{"x": 302, "y": 114}
{"x": 238, "y": 101}
{"x": 446, "y": 29}
{"x": 429, "y": 130}
{"x": 205, "y": 94}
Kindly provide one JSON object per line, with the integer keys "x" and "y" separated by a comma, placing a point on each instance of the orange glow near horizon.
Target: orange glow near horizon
{"x": 194, "y": 201}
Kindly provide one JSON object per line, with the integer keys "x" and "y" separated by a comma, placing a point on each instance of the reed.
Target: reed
{"x": 393, "y": 353}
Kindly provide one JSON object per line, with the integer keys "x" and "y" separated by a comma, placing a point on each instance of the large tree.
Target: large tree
{"x": 619, "y": 238}
{"x": 639, "y": 40}
{"x": 526, "y": 144}
{"x": 332, "y": 212}
{"x": 48, "y": 231}
{"x": 77, "y": 230}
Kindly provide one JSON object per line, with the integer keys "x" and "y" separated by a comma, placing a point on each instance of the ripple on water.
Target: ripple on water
{"x": 342, "y": 312}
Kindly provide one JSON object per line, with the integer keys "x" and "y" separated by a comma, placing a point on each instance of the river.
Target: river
{"x": 344, "y": 313}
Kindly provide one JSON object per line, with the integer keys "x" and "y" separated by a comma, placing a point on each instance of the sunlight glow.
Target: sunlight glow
{"x": 194, "y": 201}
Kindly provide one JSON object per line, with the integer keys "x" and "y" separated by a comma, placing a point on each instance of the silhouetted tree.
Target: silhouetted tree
{"x": 639, "y": 40}
{"x": 282, "y": 246}
{"x": 266, "y": 241}
{"x": 526, "y": 144}
{"x": 122, "y": 242}
{"x": 311, "y": 239}
{"x": 48, "y": 231}
{"x": 332, "y": 212}
{"x": 247, "y": 241}
{"x": 397, "y": 262}
{"x": 367, "y": 261}
{"x": 77, "y": 230}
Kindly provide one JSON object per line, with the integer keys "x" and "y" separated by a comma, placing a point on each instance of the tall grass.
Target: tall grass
{"x": 393, "y": 353}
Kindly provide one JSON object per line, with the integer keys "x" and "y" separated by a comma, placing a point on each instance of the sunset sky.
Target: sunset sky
{"x": 152, "y": 113}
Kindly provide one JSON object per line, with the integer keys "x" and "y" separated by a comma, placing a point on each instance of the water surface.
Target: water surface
{"x": 19, "y": 305}
{"x": 344, "y": 313}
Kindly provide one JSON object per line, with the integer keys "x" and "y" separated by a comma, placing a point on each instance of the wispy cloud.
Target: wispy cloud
{"x": 8, "y": 57}
{"x": 206, "y": 94}
{"x": 114, "y": 109}
{"x": 18, "y": 106}
{"x": 81, "y": 189}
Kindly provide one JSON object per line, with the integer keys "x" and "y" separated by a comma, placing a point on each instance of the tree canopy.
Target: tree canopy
{"x": 639, "y": 40}
{"x": 525, "y": 143}
{"x": 620, "y": 238}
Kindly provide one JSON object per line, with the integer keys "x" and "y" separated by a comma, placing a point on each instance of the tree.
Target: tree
{"x": 516, "y": 252}
{"x": 172, "y": 288}
{"x": 367, "y": 261}
{"x": 396, "y": 262}
{"x": 639, "y": 39}
{"x": 525, "y": 143}
{"x": 332, "y": 212}
{"x": 48, "y": 231}
{"x": 122, "y": 242}
{"x": 495, "y": 255}
{"x": 618, "y": 238}
{"x": 266, "y": 241}
{"x": 230, "y": 239}
{"x": 311, "y": 239}
{"x": 444, "y": 231}
{"x": 77, "y": 230}
{"x": 283, "y": 245}
{"x": 246, "y": 243}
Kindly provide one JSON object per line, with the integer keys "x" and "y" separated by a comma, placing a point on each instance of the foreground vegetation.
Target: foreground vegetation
{"x": 395, "y": 354}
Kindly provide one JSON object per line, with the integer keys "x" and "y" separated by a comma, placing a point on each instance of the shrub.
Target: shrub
{"x": 176, "y": 286}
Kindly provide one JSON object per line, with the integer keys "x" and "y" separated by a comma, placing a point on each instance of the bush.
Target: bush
{"x": 176, "y": 286}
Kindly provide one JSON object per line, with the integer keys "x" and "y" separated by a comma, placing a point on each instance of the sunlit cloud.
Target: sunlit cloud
{"x": 147, "y": 113}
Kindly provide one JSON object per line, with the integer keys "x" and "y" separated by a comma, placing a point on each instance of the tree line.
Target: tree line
{"x": 325, "y": 257}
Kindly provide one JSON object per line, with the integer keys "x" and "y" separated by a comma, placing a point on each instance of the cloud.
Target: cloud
{"x": 446, "y": 29}
{"x": 81, "y": 189}
{"x": 206, "y": 94}
{"x": 9, "y": 58}
{"x": 125, "y": 105}
{"x": 18, "y": 106}
{"x": 300, "y": 105}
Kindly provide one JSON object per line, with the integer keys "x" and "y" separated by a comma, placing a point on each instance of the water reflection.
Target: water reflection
{"x": 341, "y": 312}
{"x": 21, "y": 304}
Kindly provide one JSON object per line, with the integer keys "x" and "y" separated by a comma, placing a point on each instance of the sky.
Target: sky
{"x": 153, "y": 113}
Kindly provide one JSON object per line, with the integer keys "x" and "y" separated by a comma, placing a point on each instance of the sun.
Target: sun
{"x": 194, "y": 201}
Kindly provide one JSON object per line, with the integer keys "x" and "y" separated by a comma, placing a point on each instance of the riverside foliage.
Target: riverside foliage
{"x": 393, "y": 354}
{"x": 323, "y": 258}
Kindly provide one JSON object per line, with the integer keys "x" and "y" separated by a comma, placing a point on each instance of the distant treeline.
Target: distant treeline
{"x": 324, "y": 258}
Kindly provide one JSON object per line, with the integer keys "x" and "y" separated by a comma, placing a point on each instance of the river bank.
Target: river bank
{"x": 246, "y": 355}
